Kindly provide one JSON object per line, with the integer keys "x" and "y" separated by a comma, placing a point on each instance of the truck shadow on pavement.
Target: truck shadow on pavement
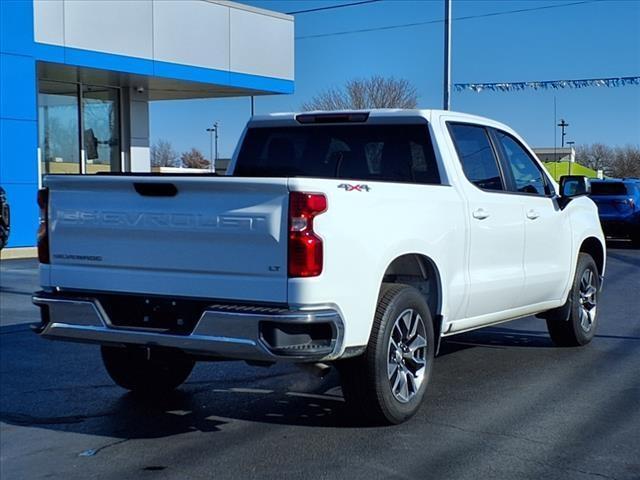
{"x": 204, "y": 406}
{"x": 63, "y": 387}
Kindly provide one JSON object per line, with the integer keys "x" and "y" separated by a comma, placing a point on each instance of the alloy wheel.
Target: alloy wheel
{"x": 406, "y": 359}
{"x": 587, "y": 300}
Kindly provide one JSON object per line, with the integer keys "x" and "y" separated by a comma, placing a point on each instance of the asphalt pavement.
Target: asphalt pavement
{"x": 502, "y": 403}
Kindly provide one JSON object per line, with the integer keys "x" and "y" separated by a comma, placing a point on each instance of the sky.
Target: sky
{"x": 593, "y": 39}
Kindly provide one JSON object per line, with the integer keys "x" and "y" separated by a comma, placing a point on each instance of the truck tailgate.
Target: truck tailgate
{"x": 207, "y": 237}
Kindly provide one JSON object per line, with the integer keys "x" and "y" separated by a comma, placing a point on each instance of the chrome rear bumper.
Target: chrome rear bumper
{"x": 218, "y": 333}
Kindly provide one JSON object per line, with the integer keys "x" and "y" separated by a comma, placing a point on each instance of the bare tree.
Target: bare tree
{"x": 163, "y": 154}
{"x": 627, "y": 161}
{"x": 613, "y": 161}
{"x": 194, "y": 159}
{"x": 372, "y": 92}
{"x": 596, "y": 156}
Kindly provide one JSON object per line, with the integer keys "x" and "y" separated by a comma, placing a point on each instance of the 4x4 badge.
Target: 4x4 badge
{"x": 358, "y": 188}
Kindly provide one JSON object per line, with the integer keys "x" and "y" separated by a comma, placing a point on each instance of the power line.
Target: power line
{"x": 331, "y": 7}
{"x": 430, "y": 22}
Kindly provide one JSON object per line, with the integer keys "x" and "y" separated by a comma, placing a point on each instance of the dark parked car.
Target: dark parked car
{"x": 618, "y": 203}
{"x": 5, "y": 219}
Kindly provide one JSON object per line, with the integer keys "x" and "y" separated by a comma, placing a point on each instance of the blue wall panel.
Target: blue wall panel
{"x": 16, "y": 26}
{"x": 18, "y": 151}
{"x": 17, "y": 87}
{"x": 106, "y": 61}
{"x": 257, "y": 82}
{"x": 18, "y": 126}
{"x": 48, "y": 53}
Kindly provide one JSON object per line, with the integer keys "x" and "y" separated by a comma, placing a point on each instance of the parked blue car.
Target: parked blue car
{"x": 618, "y": 202}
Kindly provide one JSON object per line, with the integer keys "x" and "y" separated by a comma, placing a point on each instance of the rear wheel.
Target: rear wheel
{"x": 388, "y": 382}
{"x": 575, "y": 323}
{"x": 147, "y": 370}
{"x": 4, "y": 232}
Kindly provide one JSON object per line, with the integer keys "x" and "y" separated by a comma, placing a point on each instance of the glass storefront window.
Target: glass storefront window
{"x": 100, "y": 115}
{"x": 66, "y": 109}
{"x": 58, "y": 127}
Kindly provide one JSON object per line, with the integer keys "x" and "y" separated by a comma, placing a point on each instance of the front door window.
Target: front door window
{"x": 527, "y": 176}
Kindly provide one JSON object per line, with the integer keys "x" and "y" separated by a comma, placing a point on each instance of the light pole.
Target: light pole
{"x": 570, "y": 154}
{"x": 213, "y": 130}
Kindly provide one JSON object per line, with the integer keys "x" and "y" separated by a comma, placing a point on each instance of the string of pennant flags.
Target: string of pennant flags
{"x": 547, "y": 84}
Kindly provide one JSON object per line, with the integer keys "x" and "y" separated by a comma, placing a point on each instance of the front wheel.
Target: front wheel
{"x": 575, "y": 324}
{"x": 387, "y": 383}
{"x": 146, "y": 370}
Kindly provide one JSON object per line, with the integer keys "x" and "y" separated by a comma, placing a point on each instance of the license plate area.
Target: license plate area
{"x": 166, "y": 315}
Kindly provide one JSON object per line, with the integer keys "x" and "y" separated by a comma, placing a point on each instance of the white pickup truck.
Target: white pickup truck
{"x": 357, "y": 239}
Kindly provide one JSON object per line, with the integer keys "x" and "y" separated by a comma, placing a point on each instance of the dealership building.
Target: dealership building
{"x": 77, "y": 77}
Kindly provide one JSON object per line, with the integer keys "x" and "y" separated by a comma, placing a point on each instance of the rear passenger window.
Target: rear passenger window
{"x": 527, "y": 176}
{"x": 476, "y": 155}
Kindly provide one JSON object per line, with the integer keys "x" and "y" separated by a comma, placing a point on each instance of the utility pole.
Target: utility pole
{"x": 446, "y": 103}
{"x": 563, "y": 125}
{"x": 555, "y": 139}
{"x": 252, "y": 105}
{"x": 213, "y": 130}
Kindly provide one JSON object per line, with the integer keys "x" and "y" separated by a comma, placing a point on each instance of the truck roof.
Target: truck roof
{"x": 289, "y": 118}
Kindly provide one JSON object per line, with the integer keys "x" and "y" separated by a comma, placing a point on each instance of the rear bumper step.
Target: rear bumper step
{"x": 236, "y": 333}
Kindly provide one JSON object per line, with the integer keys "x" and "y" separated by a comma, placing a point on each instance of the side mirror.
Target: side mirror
{"x": 574, "y": 186}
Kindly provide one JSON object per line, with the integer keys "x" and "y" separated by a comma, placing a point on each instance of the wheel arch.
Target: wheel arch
{"x": 594, "y": 247}
{"x": 421, "y": 272}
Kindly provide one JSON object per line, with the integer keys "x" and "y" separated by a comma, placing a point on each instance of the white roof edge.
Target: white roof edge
{"x": 383, "y": 112}
{"x": 248, "y": 8}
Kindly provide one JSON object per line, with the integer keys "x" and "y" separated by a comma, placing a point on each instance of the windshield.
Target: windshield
{"x": 608, "y": 188}
{"x": 398, "y": 153}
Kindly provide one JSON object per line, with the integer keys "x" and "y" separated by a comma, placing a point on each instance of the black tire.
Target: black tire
{"x": 145, "y": 371}
{"x": 567, "y": 325}
{"x": 5, "y": 227}
{"x": 366, "y": 382}
{"x": 635, "y": 239}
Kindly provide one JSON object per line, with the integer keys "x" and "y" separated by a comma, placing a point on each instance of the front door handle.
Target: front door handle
{"x": 480, "y": 214}
{"x": 532, "y": 214}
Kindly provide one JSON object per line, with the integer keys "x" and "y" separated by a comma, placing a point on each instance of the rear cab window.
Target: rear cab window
{"x": 393, "y": 152}
{"x": 608, "y": 188}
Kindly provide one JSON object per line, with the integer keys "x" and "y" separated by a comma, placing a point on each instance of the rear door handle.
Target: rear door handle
{"x": 532, "y": 214}
{"x": 480, "y": 214}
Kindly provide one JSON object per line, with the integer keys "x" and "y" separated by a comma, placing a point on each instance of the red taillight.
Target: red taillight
{"x": 305, "y": 247}
{"x": 43, "y": 228}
